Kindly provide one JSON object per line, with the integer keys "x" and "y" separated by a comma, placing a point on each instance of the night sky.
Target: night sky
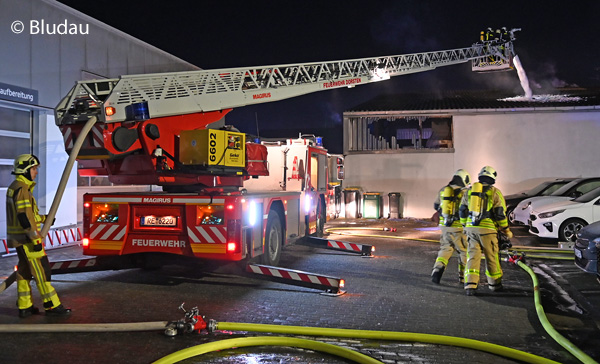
{"x": 559, "y": 44}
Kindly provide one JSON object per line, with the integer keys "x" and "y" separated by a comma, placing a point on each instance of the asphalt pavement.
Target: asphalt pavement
{"x": 391, "y": 291}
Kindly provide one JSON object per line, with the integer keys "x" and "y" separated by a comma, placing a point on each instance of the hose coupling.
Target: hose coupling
{"x": 192, "y": 321}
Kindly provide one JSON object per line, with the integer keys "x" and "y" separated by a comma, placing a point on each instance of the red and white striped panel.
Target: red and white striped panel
{"x": 97, "y": 138}
{"x": 344, "y": 245}
{"x": 68, "y": 137}
{"x": 295, "y": 275}
{"x": 73, "y": 264}
{"x": 108, "y": 232}
{"x": 207, "y": 234}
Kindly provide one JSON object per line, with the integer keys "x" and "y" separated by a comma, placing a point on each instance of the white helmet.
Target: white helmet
{"x": 464, "y": 176}
{"x": 488, "y": 172}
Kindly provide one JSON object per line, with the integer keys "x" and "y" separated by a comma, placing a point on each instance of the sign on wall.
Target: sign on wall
{"x": 18, "y": 94}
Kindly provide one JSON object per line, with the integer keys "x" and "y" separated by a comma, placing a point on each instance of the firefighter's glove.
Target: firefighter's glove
{"x": 508, "y": 233}
{"x": 37, "y": 245}
{"x": 504, "y": 241}
{"x": 46, "y": 220}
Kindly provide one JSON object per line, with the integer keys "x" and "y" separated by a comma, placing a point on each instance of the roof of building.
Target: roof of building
{"x": 482, "y": 100}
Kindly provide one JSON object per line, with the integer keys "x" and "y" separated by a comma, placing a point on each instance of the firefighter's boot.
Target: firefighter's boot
{"x": 26, "y": 312}
{"x": 436, "y": 275}
{"x": 59, "y": 310}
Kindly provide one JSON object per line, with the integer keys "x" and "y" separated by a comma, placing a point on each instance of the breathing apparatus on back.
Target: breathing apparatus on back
{"x": 449, "y": 201}
{"x": 478, "y": 199}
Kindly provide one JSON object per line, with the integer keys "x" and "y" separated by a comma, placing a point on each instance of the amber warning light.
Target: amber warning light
{"x": 109, "y": 111}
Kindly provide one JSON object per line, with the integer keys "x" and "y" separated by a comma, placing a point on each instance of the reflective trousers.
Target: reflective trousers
{"x": 486, "y": 241}
{"x": 453, "y": 239}
{"x": 34, "y": 265}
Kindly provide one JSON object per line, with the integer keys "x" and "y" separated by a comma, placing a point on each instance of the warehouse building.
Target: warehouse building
{"x": 413, "y": 143}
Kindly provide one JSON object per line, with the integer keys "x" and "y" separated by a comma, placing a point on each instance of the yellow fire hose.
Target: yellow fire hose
{"x": 344, "y": 333}
{"x": 346, "y": 353}
{"x": 546, "y": 324}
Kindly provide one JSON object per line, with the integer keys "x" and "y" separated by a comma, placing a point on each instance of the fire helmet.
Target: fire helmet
{"x": 24, "y": 162}
{"x": 464, "y": 176}
{"x": 488, "y": 171}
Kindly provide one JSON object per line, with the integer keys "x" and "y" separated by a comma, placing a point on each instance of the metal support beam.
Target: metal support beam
{"x": 361, "y": 249}
{"x": 331, "y": 285}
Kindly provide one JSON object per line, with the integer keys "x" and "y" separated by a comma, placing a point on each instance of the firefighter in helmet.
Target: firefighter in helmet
{"x": 23, "y": 226}
{"x": 483, "y": 213}
{"x": 453, "y": 238}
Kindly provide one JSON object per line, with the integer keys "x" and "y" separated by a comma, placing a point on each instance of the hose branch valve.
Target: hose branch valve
{"x": 514, "y": 257}
{"x": 192, "y": 321}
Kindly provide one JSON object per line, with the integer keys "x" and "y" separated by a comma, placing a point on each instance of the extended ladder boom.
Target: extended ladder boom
{"x": 139, "y": 97}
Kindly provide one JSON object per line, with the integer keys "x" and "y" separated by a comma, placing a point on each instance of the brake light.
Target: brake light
{"x": 342, "y": 283}
{"x": 234, "y": 236}
{"x": 86, "y": 242}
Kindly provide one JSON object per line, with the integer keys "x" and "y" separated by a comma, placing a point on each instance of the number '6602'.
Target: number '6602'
{"x": 213, "y": 147}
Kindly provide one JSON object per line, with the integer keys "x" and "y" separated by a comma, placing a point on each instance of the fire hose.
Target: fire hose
{"x": 60, "y": 190}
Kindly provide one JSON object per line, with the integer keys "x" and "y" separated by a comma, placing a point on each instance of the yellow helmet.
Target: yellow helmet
{"x": 488, "y": 171}
{"x": 464, "y": 176}
{"x": 24, "y": 162}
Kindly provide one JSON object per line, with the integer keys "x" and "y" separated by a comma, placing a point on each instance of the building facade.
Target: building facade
{"x": 46, "y": 48}
{"x": 413, "y": 144}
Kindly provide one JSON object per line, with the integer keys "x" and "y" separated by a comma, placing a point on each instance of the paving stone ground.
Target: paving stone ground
{"x": 390, "y": 292}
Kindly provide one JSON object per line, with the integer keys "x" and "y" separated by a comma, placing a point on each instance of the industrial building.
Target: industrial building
{"x": 413, "y": 143}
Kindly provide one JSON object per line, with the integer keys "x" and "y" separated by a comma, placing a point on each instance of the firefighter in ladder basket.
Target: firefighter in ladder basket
{"x": 23, "y": 226}
{"x": 453, "y": 238}
{"x": 483, "y": 213}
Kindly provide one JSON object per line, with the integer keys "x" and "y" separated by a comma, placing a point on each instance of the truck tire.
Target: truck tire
{"x": 273, "y": 240}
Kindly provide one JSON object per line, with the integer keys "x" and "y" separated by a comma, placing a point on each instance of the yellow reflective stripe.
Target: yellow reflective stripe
{"x": 472, "y": 271}
{"x": 22, "y": 204}
{"x": 495, "y": 275}
{"x": 442, "y": 260}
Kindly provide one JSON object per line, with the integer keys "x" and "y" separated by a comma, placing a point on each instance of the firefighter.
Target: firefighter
{"x": 23, "y": 226}
{"x": 483, "y": 213}
{"x": 453, "y": 238}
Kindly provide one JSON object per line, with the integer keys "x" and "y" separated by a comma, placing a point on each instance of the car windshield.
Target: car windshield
{"x": 564, "y": 189}
{"x": 588, "y": 196}
{"x": 538, "y": 189}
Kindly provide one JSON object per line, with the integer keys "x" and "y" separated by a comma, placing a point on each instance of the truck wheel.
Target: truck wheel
{"x": 273, "y": 240}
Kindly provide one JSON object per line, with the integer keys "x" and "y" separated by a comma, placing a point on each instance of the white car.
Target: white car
{"x": 520, "y": 214}
{"x": 562, "y": 220}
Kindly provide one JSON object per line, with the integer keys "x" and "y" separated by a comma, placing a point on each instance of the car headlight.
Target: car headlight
{"x": 546, "y": 215}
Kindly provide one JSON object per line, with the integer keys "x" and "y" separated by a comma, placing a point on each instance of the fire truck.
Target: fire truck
{"x": 225, "y": 197}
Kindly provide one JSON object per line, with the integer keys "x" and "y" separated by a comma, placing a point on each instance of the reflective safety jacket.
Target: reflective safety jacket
{"x": 23, "y": 221}
{"x": 458, "y": 195}
{"x": 494, "y": 211}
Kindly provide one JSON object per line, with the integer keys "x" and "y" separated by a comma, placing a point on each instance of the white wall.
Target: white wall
{"x": 525, "y": 148}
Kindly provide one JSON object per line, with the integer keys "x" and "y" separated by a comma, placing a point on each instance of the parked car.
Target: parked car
{"x": 563, "y": 219}
{"x": 587, "y": 248}
{"x": 543, "y": 189}
{"x": 578, "y": 187}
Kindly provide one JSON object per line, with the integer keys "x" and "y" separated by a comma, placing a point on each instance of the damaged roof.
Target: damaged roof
{"x": 566, "y": 98}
